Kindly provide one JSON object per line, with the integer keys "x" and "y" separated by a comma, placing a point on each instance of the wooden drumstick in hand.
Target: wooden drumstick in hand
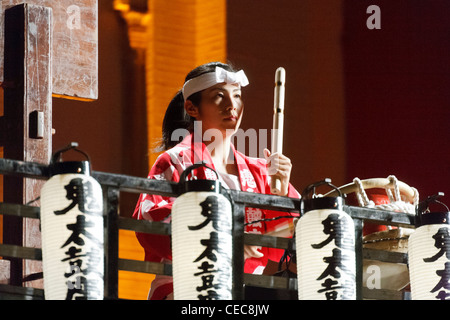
{"x": 278, "y": 120}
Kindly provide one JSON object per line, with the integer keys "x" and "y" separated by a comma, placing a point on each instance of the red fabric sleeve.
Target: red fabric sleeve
{"x": 156, "y": 247}
{"x": 156, "y": 208}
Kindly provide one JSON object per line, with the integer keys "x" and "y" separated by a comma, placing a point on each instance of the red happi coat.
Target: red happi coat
{"x": 170, "y": 165}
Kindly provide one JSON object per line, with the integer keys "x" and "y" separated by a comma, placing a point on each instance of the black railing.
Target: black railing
{"x": 114, "y": 184}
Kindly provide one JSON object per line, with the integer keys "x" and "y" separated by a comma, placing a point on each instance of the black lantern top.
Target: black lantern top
{"x": 200, "y": 184}
{"x": 425, "y": 216}
{"x": 62, "y": 167}
{"x": 310, "y": 201}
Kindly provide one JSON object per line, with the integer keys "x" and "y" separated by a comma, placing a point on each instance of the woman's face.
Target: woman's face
{"x": 221, "y": 108}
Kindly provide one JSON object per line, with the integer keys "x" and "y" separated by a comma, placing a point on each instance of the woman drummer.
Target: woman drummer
{"x": 209, "y": 110}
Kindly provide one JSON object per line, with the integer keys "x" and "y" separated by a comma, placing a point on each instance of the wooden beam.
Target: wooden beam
{"x": 75, "y": 46}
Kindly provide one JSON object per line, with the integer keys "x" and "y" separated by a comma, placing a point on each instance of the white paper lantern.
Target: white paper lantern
{"x": 325, "y": 249}
{"x": 429, "y": 256}
{"x": 202, "y": 242}
{"x": 72, "y": 232}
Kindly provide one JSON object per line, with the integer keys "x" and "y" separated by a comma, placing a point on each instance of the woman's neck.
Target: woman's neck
{"x": 220, "y": 152}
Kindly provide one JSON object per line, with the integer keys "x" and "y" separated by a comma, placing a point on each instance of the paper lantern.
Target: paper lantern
{"x": 429, "y": 253}
{"x": 325, "y": 249}
{"x": 72, "y": 231}
{"x": 202, "y": 241}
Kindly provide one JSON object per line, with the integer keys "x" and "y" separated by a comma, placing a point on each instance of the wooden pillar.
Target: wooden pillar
{"x": 47, "y": 48}
{"x": 182, "y": 35}
{"x": 27, "y": 122}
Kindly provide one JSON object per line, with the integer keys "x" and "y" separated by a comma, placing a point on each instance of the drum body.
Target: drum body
{"x": 379, "y": 197}
{"x": 385, "y": 275}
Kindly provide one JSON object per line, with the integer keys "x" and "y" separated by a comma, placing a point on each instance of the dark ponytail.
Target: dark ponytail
{"x": 176, "y": 117}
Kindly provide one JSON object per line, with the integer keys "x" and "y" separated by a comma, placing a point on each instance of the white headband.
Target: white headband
{"x": 209, "y": 79}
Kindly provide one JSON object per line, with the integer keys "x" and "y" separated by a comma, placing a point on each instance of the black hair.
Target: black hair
{"x": 176, "y": 117}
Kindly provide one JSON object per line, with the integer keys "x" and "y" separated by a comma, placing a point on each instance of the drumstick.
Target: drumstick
{"x": 278, "y": 119}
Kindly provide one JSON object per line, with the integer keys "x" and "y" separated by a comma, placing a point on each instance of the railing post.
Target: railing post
{"x": 359, "y": 257}
{"x": 238, "y": 253}
{"x": 111, "y": 236}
